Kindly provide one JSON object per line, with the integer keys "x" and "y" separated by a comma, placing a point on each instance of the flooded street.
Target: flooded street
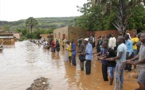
{"x": 24, "y": 62}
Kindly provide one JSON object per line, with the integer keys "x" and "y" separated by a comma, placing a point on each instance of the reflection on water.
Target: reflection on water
{"x": 24, "y": 62}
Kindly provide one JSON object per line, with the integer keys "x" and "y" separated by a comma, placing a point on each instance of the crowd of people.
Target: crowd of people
{"x": 119, "y": 55}
{"x": 116, "y": 55}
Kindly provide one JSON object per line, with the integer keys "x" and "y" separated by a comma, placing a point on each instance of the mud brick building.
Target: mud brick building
{"x": 7, "y": 38}
{"x": 69, "y": 33}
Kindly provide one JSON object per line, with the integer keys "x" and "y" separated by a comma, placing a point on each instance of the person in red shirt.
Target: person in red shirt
{"x": 52, "y": 46}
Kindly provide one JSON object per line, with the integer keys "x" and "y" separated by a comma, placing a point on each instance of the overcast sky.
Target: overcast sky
{"x": 12, "y": 10}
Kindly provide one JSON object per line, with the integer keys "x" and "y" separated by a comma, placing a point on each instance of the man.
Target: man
{"x": 52, "y": 46}
{"x": 89, "y": 56}
{"x": 57, "y": 46}
{"x": 73, "y": 53}
{"x": 140, "y": 63}
{"x": 112, "y": 42}
{"x": 79, "y": 41}
{"x": 130, "y": 54}
{"x": 99, "y": 44}
{"x": 138, "y": 44}
{"x": 134, "y": 40}
{"x": 103, "y": 55}
{"x": 108, "y": 65}
{"x": 81, "y": 51}
{"x": 120, "y": 58}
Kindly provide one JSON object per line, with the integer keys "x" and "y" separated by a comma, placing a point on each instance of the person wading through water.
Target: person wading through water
{"x": 108, "y": 65}
{"x": 89, "y": 56}
{"x": 120, "y": 59}
{"x": 140, "y": 63}
{"x": 81, "y": 51}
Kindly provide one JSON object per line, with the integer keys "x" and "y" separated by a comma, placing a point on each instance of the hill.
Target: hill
{"x": 43, "y": 23}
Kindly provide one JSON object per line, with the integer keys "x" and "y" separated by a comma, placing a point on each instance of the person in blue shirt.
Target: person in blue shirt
{"x": 130, "y": 53}
{"x": 89, "y": 56}
{"x": 73, "y": 53}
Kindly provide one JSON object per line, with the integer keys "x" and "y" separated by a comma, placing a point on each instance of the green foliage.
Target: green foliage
{"x": 6, "y": 27}
{"x": 36, "y": 34}
{"x": 44, "y": 23}
{"x": 22, "y": 38}
{"x": 92, "y": 18}
{"x": 137, "y": 19}
{"x": 45, "y": 26}
{"x": 31, "y": 23}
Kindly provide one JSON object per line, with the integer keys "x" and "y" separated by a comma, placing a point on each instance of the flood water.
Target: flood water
{"x": 25, "y": 62}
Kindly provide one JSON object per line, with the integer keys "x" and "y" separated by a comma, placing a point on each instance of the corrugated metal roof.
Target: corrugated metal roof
{"x": 6, "y": 34}
{"x": 1, "y": 37}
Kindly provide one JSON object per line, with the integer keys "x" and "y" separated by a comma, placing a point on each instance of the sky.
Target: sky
{"x": 13, "y": 10}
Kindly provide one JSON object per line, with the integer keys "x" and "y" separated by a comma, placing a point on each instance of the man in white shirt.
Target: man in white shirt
{"x": 112, "y": 42}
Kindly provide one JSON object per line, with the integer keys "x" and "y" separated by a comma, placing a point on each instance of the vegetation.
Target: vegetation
{"x": 92, "y": 19}
{"x": 36, "y": 26}
{"x": 31, "y": 23}
{"x": 121, "y": 8}
{"x": 112, "y": 14}
{"x": 43, "y": 23}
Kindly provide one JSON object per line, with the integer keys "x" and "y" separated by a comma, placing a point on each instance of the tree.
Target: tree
{"x": 121, "y": 8}
{"x": 137, "y": 19}
{"x": 92, "y": 19}
{"x": 7, "y": 28}
{"x": 31, "y": 23}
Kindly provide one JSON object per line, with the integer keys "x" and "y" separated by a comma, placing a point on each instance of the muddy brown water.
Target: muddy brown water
{"x": 24, "y": 62}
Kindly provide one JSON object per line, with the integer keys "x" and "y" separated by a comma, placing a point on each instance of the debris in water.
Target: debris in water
{"x": 39, "y": 84}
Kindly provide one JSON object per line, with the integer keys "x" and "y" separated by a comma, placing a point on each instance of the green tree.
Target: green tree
{"x": 137, "y": 19}
{"x": 92, "y": 19}
{"x": 7, "y": 28}
{"x": 121, "y": 8}
{"x": 31, "y": 23}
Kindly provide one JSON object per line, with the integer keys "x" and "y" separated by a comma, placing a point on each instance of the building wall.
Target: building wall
{"x": 44, "y": 36}
{"x": 59, "y": 33}
{"x": 8, "y": 41}
{"x": 17, "y": 35}
{"x": 75, "y": 33}
{"x": 72, "y": 33}
{"x": 105, "y": 33}
{"x": 115, "y": 32}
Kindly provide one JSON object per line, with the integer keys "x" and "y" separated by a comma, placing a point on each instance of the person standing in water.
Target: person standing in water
{"x": 81, "y": 51}
{"x": 120, "y": 59}
{"x": 69, "y": 48}
{"x": 140, "y": 63}
{"x": 108, "y": 66}
{"x": 73, "y": 53}
{"x": 57, "y": 46}
{"x": 52, "y": 46}
{"x": 134, "y": 40}
{"x": 66, "y": 51}
{"x": 63, "y": 44}
{"x": 89, "y": 56}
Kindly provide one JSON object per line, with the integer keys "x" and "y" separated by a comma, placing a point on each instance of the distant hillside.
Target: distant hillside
{"x": 44, "y": 23}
